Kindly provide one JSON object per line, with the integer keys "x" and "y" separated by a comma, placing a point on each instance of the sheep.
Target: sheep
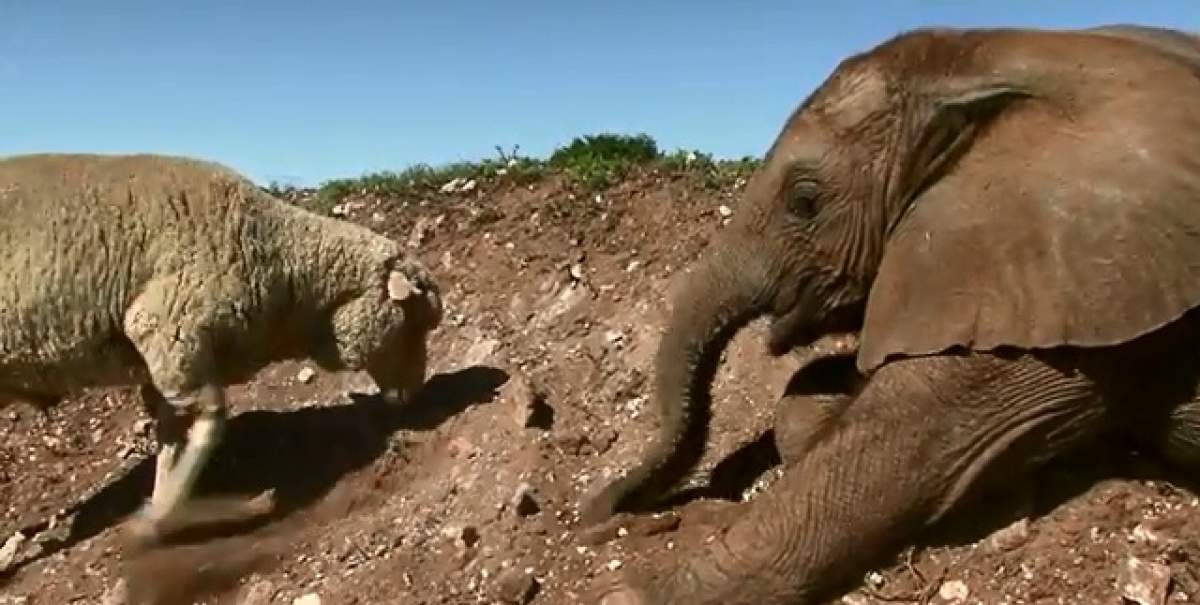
{"x": 180, "y": 276}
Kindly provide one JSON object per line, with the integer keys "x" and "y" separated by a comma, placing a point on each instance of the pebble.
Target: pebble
{"x": 1011, "y": 537}
{"x": 259, "y": 593}
{"x": 311, "y": 598}
{"x": 1144, "y": 582}
{"x": 955, "y": 591}
{"x": 525, "y": 403}
{"x": 515, "y": 586}
{"x": 523, "y": 501}
{"x": 306, "y": 375}
{"x": 8, "y": 552}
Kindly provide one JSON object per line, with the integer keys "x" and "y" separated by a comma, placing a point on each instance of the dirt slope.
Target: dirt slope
{"x": 555, "y": 302}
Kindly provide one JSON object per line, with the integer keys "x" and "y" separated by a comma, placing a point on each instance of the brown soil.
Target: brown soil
{"x": 554, "y": 306}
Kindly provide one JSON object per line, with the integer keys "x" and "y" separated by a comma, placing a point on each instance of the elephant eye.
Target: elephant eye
{"x": 802, "y": 196}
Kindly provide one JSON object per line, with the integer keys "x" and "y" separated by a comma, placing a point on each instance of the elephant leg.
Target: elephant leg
{"x": 923, "y": 436}
{"x": 815, "y": 397}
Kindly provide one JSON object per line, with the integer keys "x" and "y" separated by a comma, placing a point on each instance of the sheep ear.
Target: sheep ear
{"x": 400, "y": 287}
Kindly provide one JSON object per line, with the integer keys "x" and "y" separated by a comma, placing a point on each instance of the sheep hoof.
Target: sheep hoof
{"x": 142, "y": 532}
{"x": 262, "y": 504}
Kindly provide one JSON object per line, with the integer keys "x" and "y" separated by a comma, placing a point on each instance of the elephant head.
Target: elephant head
{"x": 950, "y": 189}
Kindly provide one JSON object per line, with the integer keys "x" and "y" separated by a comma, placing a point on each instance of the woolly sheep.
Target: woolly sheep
{"x": 182, "y": 277}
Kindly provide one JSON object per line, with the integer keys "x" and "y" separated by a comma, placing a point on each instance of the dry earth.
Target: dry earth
{"x": 539, "y": 392}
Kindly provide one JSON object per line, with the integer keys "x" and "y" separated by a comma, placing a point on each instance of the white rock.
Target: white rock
{"x": 1011, "y": 537}
{"x": 117, "y": 594}
{"x": 480, "y": 352}
{"x": 8, "y": 552}
{"x": 306, "y": 375}
{"x": 311, "y": 598}
{"x": 1143, "y": 533}
{"x": 725, "y": 211}
{"x": 955, "y": 591}
{"x": 1144, "y": 582}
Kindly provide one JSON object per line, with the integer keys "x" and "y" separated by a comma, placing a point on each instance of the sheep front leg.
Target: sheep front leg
{"x": 176, "y": 471}
{"x": 182, "y": 371}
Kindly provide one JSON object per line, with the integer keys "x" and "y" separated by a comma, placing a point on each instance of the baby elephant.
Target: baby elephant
{"x": 182, "y": 276}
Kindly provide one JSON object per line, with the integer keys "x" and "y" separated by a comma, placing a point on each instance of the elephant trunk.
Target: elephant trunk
{"x": 816, "y": 529}
{"x": 723, "y": 295}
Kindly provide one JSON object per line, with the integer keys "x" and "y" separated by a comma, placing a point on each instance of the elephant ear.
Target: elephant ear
{"x": 1045, "y": 231}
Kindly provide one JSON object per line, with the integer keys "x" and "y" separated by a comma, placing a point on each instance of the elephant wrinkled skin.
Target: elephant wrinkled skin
{"x": 1011, "y": 220}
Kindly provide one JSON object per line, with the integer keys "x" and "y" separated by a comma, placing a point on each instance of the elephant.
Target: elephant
{"x": 1009, "y": 218}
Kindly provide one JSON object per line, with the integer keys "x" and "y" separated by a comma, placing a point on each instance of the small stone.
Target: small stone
{"x": 523, "y": 501}
{"x": 311, "y": 598}
{"x": 259, "y": 593}
{"x": 603, "y": 439}
{"x": 725, "y": 211}
{"x": 8, "y": 552}
{"x": 305, "y": 375}
{"x": 117, "y": 594}
{"x": 576, "y": 272}
{"x": 955, "y": 591}
{"x": 464, "y": 537}
{"x": 461, "y": 447}
{"x": 1011, "y": 537}
{"x": 480, "y": 352}
{"x": 527, "y": 405}
{"x": 515, "y": 586}
{"x": 613, "y": 565}
{"x": 420, "y": 232}
{"x": 1146, "y": 534}
{"x": 1144, "y": 582}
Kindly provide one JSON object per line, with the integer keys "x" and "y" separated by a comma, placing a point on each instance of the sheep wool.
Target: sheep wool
{"x": 182, "y": 275}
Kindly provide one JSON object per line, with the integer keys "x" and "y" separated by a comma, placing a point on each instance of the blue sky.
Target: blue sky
{"x": 306, "y": 91}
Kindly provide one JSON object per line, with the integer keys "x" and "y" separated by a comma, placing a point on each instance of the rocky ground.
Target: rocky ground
{"x": 554, "y": 305}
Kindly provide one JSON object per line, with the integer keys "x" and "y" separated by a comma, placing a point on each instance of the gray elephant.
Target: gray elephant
{"x": 1011, "y": 219}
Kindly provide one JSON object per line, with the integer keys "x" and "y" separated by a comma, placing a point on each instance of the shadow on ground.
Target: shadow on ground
{"x": 301, "y": 454}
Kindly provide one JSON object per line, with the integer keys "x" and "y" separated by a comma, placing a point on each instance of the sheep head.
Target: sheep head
{"x": 384, "y": 328}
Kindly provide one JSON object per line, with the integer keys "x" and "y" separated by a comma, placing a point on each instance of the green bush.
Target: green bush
{"x": 597, "y": 161}
{"x": 592, "y": 162}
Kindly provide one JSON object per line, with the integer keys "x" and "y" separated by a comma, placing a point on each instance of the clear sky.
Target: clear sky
{"x": 305, "y": 91}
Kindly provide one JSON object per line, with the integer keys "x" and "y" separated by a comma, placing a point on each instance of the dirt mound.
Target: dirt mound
{"x": 555, "y": 301}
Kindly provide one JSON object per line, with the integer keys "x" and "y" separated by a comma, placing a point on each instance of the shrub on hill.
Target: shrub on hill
{"x": 590, "y": 163}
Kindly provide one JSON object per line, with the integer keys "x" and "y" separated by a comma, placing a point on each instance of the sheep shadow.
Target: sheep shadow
{"x": 301, "y": 454}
